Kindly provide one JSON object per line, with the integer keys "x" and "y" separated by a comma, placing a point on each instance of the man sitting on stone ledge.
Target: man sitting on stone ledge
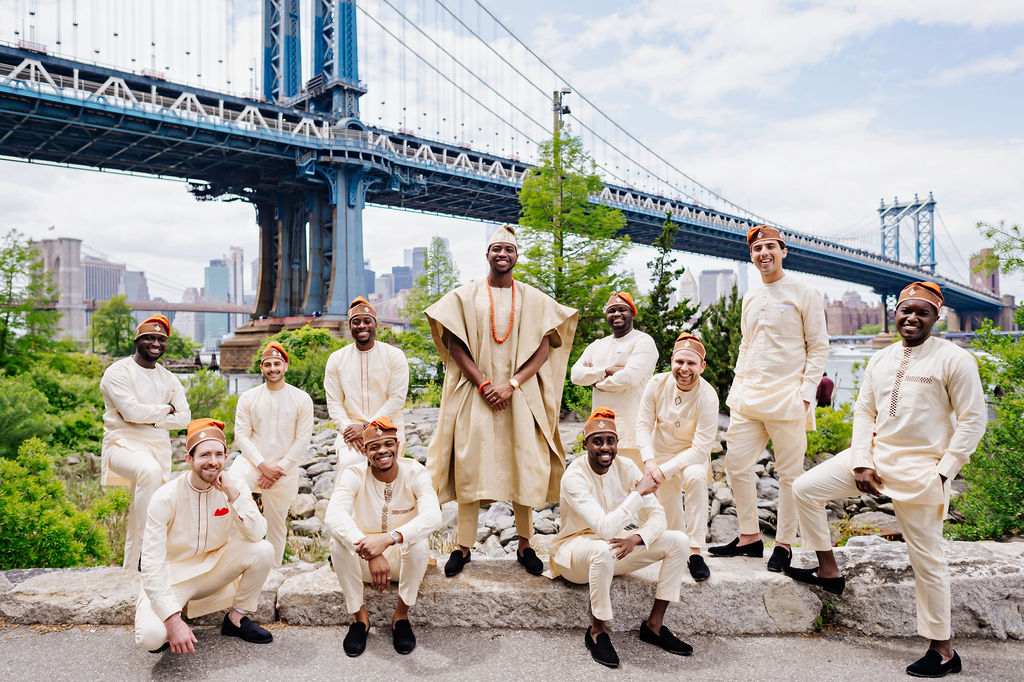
{"x": 273, "y": 422}
{"x": 601, "y": 496}
{"x": 203, "y": 548}
{"x": 364, "y": 381}
{"x": 380, "y": 516}
{"x": 919, "y": 416}
{"x": 676, "y": 427}
{"x": 143, "y": 401}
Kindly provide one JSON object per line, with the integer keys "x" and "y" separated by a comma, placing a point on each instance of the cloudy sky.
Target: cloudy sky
{"x": 807, "y": 113}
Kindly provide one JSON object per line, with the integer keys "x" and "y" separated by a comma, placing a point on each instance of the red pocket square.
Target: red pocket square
{"x": 221, "y": 512}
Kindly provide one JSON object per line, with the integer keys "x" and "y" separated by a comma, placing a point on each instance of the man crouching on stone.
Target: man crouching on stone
{"x": 203, "y": 533}
{"x": 601, "y": 495}
{"x": 380, "y": 515}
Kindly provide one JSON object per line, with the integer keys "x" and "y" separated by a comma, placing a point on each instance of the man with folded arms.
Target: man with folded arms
{"x": 203, "y": 550}
{"x": 273, "y": 423}
{"x": 919, "y": 416}
{"x": 143, "y": 402}
{"x": 601, "y": 496}
{"x": 364, "y": 381}
{"x": 380, "y": 516}
{"x": 505, "y": 345}
{"x": 619, "y": 367}
{"x": 781, "y": 358}
{"x": 676, "y": 427}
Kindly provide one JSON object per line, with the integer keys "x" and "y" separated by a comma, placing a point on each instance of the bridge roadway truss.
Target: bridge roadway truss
{"x": 297, "y": 165}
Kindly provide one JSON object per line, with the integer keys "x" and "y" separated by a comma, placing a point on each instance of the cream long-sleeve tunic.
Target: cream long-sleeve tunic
{"x": 782, "y": 352}
{"x": 138, "y": 413}
{"x": 364, "y": 385}
{"x": 621, "y": 392}
{"x": 920, "y": 413}
{"x": 676, "y": 428}
{"x": 603, "y": 506}
{"x": 186, "y": 533}
{"x": 274, "y": 426}
{"x": 514, "y": 454}
{"x": 361, "y": 505}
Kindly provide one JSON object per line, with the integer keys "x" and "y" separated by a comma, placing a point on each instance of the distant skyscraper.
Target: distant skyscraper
{"x": 741, "y": 279}
{"x": 687, "y": 288}
{"x": 385, "y": 285}
{"x": 102, "y": 278}
{"x": 416, "y": 259}
{"x": 714, "y": 284}
{"x": 851, "y": 299}
{"x": 369, "y": 277}
{"x": 188, "y": 323}
{"x": 402, "y": 277}
{"x": 235, "y": 263}
{"x": 216, "y": 290}
{"x": 255, "y": 266}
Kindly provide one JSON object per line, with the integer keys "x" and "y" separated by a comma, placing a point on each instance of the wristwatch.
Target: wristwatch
{"x": 396, "y": 537}
{"x": 513, "y": 383}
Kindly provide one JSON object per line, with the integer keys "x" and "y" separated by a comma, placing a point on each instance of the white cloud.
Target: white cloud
{"x": 994, "y": 65}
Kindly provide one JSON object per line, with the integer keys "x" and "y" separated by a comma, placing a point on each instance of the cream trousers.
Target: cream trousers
{"x": 693, "y": 482}
{"x": 249, "y": 561}
{"x": 921, "y": 525}
{"x": 469, "y": 517}
{"x": 593, "y": 562}
{"x": 746, "y": 440}
{"x": 146, "y": 476}
{"x": 408, "y": 565}
{"x": 276, "y": 501}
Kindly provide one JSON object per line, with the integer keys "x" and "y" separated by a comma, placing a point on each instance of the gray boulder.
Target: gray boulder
{"x": 303, "y": 506}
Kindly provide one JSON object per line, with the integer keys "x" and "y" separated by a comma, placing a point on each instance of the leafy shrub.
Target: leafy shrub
{"x": 22, "y": 413}
{"x": 848, "y": 528}
{"x": 834, "y": 430}
{"x": 180, "y": 346}
{"x": 78, "y": 430}
{"x": 225, "y": 412}
{"x": 307, "y": 373}
{"x": 39, "y": 526}
{"x": 299, "y": 343}
{"x": 204, "y": 390}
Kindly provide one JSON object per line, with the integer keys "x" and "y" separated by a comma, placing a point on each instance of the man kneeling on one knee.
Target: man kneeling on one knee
{"x": 601, "y": 496}
{"x": 380, "y": 516}
{"x": 203, "y": 533}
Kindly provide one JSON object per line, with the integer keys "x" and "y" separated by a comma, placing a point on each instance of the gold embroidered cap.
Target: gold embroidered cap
{"x": 154, "y": 324}
{"x": 687, "y": 341}
{"x": 620, "y": 298}
{"x": 274, "y": 350}
{"x": 763, "y": 232}
{"x": 360, "y": 306}
{"x": 200, "y": 430}
{"x": 379, "y": 429}
{"x": 929, "y": 292}
{"x": 601, "y": 420}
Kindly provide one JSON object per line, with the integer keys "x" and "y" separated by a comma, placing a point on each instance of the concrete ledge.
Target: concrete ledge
{"x": 742, "y": 597}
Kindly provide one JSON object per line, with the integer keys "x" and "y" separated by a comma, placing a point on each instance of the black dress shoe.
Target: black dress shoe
{"x": 931, "y": 665}
{"x": 247, "y": 631}
{"x": 811, "y": 577}
{"x": 754, "y": 549}
{"x": 601, "y": 649}
{"x": 699, "y": 570}
{"x": 402, "y": 637}
{"x": 355, "y": 641}
{"x": 530, "y": 561}
{"x": 165, "y": 647}
{"x": 456, "y": 562}
{"x": 779, "y": 560}
{"x": 665, "y": 639}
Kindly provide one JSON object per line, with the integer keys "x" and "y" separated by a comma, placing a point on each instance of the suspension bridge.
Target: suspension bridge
{"x": 448, "y": 122}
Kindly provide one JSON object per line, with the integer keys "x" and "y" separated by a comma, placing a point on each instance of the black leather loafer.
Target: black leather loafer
{"x": 402, "y": 637}
{"x": 163, "y": 648}
{"x": 931, "y": 665}
{"x": 665, "y": 639}
{"x": 355, "y": 641}
{"x": 530, "y": 561}
{"x": 248, "y": 631}
{"x": 601, "y": 649}
{"x": 754, "y": 549}
{"x": 699, "y": 570}
{"x": 779, "y": 560}
{"x": 456, "y": 562}
{"x": 811, "y": 577}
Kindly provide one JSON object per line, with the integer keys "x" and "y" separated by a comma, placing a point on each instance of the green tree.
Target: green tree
{"x": 112, "y": 328}
{"x": 870, "y": 329}
{"x": 39, "y": 526}
{"x": 180, "y": 346}
{"x": 720, "y": 333}
{"x": 1007, "y": 247}
{"x": 308, "y": 349}
{"x": 204, "y": 391}
{"x": 22, "y": 413}
{"x": 571, "y": 246}
{"x": 659, "y": 318}
{"x": 440, "y": 275}
{"x": 28, "y": 322}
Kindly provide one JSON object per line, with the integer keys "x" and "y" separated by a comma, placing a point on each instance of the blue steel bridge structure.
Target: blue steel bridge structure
{"x": 309, "y": 165}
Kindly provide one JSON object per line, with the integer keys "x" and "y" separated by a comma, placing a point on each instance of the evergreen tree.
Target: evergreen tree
{"x": 720, "y": 333}
{"x": 112, "y": 327}
{"x": 28, "y": 321}
{"x": 659, "y": 318}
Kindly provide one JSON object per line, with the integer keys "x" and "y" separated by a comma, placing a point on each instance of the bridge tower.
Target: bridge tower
{"x": 921, "y": 212}
{"x": 311, "y": 228}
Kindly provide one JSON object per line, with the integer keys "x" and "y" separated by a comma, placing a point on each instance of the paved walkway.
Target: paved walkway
{"x": 315, "y": 653}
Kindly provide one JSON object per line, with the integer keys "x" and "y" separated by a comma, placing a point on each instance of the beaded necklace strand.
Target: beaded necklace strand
{"x": 511, "y": 317}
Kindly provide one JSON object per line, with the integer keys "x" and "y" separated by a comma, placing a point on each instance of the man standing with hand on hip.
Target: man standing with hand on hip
{"x": 781, "y": 358}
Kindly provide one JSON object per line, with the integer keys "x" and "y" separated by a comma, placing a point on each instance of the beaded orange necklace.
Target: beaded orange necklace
{"x": 511, "y": 317}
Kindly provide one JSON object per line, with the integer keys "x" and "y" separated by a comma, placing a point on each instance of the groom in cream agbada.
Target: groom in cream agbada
{"x": 506, "y": 347}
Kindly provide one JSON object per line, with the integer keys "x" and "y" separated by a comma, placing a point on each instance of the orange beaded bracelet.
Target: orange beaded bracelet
{"x": 480, "y": 390}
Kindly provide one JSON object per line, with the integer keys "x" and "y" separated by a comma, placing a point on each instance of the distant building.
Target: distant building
{"x": 416, "y": 258}
{"x": 851, "y": 299}
{"x": 687, "y": 288}
{"x": 235, "y": 263}
{"x": 102, "y": 279}
{"x": 369, "y": 277}
{"x": 981, "y": 278}
{"x": 714, "y": 285}
{"x": 846, "y": 317}
{"x": 255, "y": 274}
{"x": 216, "y": 289}
{"x": 742, "y": 285}
{"x": 134, "y": 285}
{"x": 192, "y": 325}
{"x": 402, "y": 275}
{"x": 384, "y": 286}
